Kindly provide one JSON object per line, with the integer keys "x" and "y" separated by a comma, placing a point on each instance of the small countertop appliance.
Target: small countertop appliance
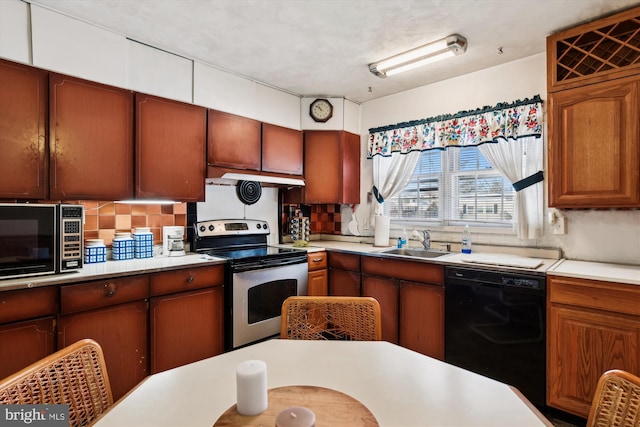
{"x": 173, "y": 241}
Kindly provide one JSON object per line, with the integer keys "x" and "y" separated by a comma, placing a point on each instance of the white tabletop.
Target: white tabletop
{"x": 400, "y": 387}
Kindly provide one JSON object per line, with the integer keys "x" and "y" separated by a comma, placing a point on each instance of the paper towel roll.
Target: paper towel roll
{"x": 382, "y": 231}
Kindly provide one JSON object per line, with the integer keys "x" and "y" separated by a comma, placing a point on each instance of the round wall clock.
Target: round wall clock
{"x": 321, "y": 110}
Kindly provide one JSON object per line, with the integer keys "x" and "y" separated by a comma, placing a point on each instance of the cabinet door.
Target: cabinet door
{"x": 422, "y": 318}
{"x": 582, "y": 345}
{"x": 23, "y": 343}
{"x": 344, "y": 283}
{"x": 322, "y": 167}
{"x": 186, "y": 327}
{"x": 23, "y": 109}
{"x": 122, "y": 332}
{"x": 318, "y": 283}
{"x": 170, "y": 149}
{"x": 233, "y": 141}
{"x": 281, "y": 150}
{"x": 350, "y": 169}
{"x": 594, "y": 152}
{"x": 385, "y": 290}
{"x": 91, "y": 140}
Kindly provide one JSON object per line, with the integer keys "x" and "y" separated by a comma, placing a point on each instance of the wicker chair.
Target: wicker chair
{"x": 331, "y": 318}
{"x": 75, "y": 375}
{"x": 617, "y": 401}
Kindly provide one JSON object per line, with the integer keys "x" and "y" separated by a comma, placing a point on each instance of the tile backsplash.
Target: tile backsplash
{"x": 104, "y": 218}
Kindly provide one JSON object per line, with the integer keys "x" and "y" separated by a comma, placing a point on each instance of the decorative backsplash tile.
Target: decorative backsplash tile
{"x": 103, "y": 219}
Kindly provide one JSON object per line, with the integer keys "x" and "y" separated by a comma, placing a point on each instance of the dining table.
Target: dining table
{"x": 395, "y": 386}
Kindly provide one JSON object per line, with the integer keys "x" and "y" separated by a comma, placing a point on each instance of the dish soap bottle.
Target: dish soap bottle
{"x": 466, "y": 240}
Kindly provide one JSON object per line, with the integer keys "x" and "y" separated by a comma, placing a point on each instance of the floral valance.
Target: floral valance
{"x": 488, "y": 124}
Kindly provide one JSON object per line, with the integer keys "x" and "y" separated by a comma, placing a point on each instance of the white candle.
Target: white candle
{"x": 251, "y": 387}
{"x": 296, "y": 416}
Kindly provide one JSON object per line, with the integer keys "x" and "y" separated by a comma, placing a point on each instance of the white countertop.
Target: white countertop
{"x": 111, "y": 268}
{"x": 618, "y": 273}
{"x": 399, "y": 386}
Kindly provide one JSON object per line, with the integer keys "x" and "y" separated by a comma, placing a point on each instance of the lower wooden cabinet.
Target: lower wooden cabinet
{"x": 411, "y": 297}
{"x": 344, "y": 274}
{"x": 113, "y": 312}
{"x": 422, "y": 318}
{"x": 27, "y": 324}
{"x": 593, "y": 326}
{"x": 191, "y": 322}
{"x": 23, "y": 343}
{"x": 318, "y": 281}
{"x": 122, "y": 332}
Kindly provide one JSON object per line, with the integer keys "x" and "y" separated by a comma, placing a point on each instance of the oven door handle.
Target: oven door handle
{"x": 265, "y": 263}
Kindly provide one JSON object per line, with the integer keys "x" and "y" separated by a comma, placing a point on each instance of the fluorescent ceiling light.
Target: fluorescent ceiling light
{"x": 414, "y": 58}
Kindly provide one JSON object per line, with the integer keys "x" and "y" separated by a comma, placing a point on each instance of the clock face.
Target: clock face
{"x": 321, "y": 110}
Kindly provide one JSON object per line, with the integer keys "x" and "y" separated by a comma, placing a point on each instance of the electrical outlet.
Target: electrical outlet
{"x": 560, "y": 225}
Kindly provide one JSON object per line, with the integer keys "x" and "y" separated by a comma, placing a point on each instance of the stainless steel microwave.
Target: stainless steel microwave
{"x": 39, "y": 239}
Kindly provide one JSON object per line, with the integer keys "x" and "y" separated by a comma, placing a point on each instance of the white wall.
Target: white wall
{"x": 606, "y": 235}
{"x": 221, "y": 202}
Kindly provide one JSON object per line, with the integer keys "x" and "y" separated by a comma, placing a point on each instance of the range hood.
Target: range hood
{"x": 226, "y": 176}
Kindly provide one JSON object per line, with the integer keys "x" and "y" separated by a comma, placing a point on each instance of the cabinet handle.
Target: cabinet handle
{"x": 191, "y": 279}
{"x": 111, "y": 290}
{"x": 317, "y": 260}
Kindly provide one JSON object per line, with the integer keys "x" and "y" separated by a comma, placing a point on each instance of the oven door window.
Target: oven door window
{"x": 265, "y": 300}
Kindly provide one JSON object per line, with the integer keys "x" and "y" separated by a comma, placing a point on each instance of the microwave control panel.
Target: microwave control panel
{"x": 71, "y": 219}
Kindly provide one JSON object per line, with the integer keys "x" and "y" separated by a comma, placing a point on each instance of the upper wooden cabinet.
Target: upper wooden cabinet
{"x": 593, "y": 75}
{"x": 23, "y": 113}
{"x": 170, "y": 149}
{"x": 282, "y": 150}
{"x": 233, "y": 141}
{"x": 91, "y": 140}
{"x": 594, "y": 153}
{"x": 332, "y": 167}
{"x": 597, "y": 51}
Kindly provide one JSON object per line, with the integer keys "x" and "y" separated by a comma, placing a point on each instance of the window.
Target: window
{"x": 454, "y": 186}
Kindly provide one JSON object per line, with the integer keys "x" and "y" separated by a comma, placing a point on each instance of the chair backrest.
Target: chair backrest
{"x": 76, "y": 376}
{"x": 326, "y": 318}
{"x": 617, "y": 400}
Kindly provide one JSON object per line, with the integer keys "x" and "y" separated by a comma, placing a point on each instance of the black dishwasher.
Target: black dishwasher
{"x": 495, "y": 326}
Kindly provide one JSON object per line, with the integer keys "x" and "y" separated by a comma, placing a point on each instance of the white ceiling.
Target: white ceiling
{"x": 323, "y": 47}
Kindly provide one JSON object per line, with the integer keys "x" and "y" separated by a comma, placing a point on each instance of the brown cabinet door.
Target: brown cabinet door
{"x": 186, "y": 327}
{"x": 422, "y": 318}
{"x": 582, "y": 345}
{"x": 344, "y": 283}
{"x": 24, "y": 343}
{"x": 170, "y": 149}
{"x": 351, "y": 169}
{"x": 318, "y": 283}
{"x": 331, "y": 167}
{"x": 322, "y": 167}
{"x": 91, "y": 140}
{"x": 233, "y": 141}
{"x": 281, "y": 150}
{"x": 594, "y": 154}
{"x": 23, "y": 112}
{"x": 122, "y": 332}
{"x": 385, "y": 290}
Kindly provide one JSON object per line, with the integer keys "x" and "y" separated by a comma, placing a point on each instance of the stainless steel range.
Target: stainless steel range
{"x": 259, "y": 277}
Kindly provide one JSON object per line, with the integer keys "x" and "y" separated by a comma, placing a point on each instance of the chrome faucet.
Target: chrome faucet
{"x": 424, "y": 237}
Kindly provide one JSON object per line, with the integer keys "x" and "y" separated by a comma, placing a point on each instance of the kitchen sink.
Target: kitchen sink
{"x": 415, "y": 252}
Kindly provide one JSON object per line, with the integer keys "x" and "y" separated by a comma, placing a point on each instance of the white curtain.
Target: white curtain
{"x": 391, "y": 174}
{"x": 517, "y": 160}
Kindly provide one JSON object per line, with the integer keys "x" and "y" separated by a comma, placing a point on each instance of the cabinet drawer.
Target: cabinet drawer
{"x": 406, "y": 270}
{"x": 103, "y": 293}
{"x": 317, "y": 260}
{"x": 615, "y": 297}
{"x": 344, "y": 261}
{"x": 186, "y": 279}
{"x": 25, "y": 304}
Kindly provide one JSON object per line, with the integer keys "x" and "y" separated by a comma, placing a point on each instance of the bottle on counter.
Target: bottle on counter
{"x": 466, "y": 240}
